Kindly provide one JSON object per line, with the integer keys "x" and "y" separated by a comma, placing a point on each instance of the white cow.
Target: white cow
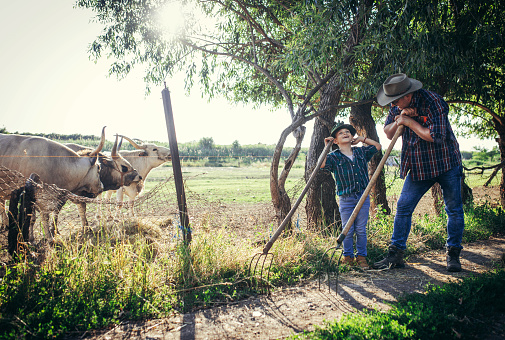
{"x": 144, "y": 159}
{"x": 53, "y": 162}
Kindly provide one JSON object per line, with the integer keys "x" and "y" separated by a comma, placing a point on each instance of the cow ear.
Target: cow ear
{"x": 143, "y": 154}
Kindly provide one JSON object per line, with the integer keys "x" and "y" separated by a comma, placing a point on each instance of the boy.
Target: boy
{"x": 349, "y": 166}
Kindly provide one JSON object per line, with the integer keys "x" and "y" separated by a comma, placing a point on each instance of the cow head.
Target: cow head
{"x": 86, "y": 189}
{"x": 115, "y": 171}
{"x": 152, "y": 150}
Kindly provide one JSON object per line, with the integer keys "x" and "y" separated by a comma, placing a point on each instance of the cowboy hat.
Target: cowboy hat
{"x": 339, "y": 126}
{"x": 397, "y": 86}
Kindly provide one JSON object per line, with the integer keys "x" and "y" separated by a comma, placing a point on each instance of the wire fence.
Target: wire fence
{"x": 156, "y": 211}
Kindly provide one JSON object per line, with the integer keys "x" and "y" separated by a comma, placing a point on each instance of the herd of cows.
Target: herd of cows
{"x": 79, "y": 169}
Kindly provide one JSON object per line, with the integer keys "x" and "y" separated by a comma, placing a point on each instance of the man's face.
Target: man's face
{"x": 402, "y": 102}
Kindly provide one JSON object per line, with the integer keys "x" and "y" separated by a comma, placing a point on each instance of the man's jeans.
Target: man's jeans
{"x": 346, "y": 207}
{"x": 412, "y": 192}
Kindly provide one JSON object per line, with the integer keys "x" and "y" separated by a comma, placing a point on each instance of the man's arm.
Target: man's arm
{"x": 421, "y": 131}
{"x": 405, "y": 119}
{"x": 390, "y": 130}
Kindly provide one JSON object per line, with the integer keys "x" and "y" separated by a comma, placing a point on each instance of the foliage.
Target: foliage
{"x": 78, "y": 289}
{"x": 453, "y": 311}
{"x": 484, "y": 155}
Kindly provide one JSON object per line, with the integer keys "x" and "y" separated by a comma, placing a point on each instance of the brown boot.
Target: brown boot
{"x": 361, "y": 262}
{"x": 349, "y": 261}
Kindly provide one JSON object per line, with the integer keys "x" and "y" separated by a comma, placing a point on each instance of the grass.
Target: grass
{"x": 240, "y": 185}
{"x": 103, "y": 279}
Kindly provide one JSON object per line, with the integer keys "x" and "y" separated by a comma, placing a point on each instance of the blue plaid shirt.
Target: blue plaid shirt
{"x": 350, "y": 176}
{"x": 425, "y": 159}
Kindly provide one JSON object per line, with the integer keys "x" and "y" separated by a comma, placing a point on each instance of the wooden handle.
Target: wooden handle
{"x": 298, "y": 201}
{"x": 376, "y": 174}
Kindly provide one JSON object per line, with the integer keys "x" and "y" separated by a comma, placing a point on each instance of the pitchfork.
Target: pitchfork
{"x": 263, "y": 256}
{"x": 356, "y": 210}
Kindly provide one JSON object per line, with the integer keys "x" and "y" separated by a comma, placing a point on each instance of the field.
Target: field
{"x": 228, "y": 184}
{"x": 250, "y": 185}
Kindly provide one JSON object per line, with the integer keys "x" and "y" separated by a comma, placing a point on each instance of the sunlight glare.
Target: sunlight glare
{"x": 171, "y": 19}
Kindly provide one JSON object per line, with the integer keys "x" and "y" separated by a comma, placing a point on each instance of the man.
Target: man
{"x": 430, "y": 154}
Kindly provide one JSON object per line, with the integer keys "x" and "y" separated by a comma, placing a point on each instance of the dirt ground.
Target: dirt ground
{"x": 294, "y": 309}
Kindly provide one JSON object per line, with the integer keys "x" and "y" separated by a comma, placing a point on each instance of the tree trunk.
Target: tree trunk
{"x": 321, "y": 205}
{"x": 438, "y": 201}
{"x": 493, "y": 175}
{"x": 502, "y": 158}
{"x": 361, "y": 118}
{"x": 280, "y": 198}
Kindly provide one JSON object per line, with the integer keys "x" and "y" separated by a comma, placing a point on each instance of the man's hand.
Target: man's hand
{"x": 404, "y": 120}
{"x": 410, "y": 112}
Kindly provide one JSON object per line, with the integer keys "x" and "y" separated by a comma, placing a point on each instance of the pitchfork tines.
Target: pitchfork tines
{"x": 257, "y": 268}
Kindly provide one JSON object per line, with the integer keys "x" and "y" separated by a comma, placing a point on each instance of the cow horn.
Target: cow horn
{"x": 100, "y": 146}
{"x": 113, "y": 153}
{"x": 135, "y": 144}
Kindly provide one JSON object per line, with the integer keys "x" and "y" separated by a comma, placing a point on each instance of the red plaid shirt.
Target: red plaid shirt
{"x": 425, "y": 159}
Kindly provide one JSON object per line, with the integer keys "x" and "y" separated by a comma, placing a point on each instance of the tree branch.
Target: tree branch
{"x": 485, "y": 108}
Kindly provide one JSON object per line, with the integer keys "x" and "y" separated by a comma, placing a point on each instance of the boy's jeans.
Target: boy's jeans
{"x": 413, "y": 191}
{"x": 346, "y": 207}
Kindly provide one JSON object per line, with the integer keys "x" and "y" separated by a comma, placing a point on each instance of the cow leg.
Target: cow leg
{"x": 31, "y": 236}
{"x": 130, "y": 206}
{"x": 47, "y": 227}
{"x": 82, "y": 214}
{"x": 4, "y": 219}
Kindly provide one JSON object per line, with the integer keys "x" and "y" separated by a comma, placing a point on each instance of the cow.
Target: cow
{"x": 115, "y": 172}
{"x": 53, "y": 162}
{"x": 144, "y": 159}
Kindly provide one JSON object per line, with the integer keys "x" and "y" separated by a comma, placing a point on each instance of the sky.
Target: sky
{"x": 49, "y": 85}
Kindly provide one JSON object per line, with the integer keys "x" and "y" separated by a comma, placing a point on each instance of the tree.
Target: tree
{"x": 206, "y": 143}
{"x": 292, "y": 53}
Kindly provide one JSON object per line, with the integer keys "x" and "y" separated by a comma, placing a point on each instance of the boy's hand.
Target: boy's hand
{"x": 358, "y": 139}
{"x": 329, "y": 140}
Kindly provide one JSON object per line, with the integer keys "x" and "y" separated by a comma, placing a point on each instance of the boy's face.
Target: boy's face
{"x": 343, "y": 136}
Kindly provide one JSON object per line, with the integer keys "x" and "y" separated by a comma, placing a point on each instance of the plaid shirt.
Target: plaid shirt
{"x": 350, "y": 176}
{"x": 425, "y": 159}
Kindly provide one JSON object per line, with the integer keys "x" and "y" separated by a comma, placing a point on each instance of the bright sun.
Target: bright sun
{"x": 171, "y": 19}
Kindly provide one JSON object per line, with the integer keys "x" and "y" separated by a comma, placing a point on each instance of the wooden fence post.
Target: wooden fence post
{"x": 176, "y": 166}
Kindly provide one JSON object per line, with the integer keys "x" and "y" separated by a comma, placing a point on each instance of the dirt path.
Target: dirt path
{"x": 292, "y": 310}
